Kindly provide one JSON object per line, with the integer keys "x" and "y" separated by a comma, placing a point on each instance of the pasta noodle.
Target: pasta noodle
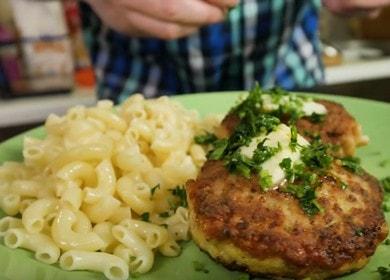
{"x": 112, "y": 266}
{"x": 144, "y": 257}
{"x": 7, "y": 223}
{"x": 98, "y": 187}
{"x": 45, "y": 249}
{"x": 67, "y": 239}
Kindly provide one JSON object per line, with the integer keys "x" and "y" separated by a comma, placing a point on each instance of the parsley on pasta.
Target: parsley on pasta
{"x": 179, "y": 192}
{"x": 153, "y": 190}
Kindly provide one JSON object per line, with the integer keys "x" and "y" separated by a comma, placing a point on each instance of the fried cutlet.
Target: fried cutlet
{"x": 338, "y": 128}
{"x": 268, "y": 233}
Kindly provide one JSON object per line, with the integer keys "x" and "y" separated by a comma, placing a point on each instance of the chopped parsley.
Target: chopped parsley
{"x": 219, "y": 148}
{"x": 239, "y": 164}
{"x": 260, "y": 114}
{"x": 317, "y": 118}
{"x": 180, "y": 193}
{"x": 385, "y": 182}
{"x": 208, "y": 138}
{"x": 265, "y": 180}
{"x": 387, "y": 242}
{"x": 316, "y": 155}
{"x": 228, "y": 150}
{"x": 343, "y": 185}
{"x": 286, "y": 165}
{"x": 384, "y": 272}
{"x": 145, "y": 216}
{"x": 199, "y": 266}
{"x": 352, "y": 164}
{"x": 294, "y": 138}
{"x": 302, "y": 185}
{"x": 153, "y": 190}
{"x": 263, "y": 153}
{"x": 306, "y": 196}
{"x": 359, "y": 232}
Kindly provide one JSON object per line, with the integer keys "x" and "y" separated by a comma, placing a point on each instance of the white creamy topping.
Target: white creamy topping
{"x": 281, "y": 135}
{"x": 311, "y": 107}
{"x": 307, "y": 105}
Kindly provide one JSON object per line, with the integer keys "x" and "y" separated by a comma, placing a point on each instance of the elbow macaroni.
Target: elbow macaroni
{"x": 45, "y": 249}
{"x": 112, "y": 266}
{"x": 86, "y": 186}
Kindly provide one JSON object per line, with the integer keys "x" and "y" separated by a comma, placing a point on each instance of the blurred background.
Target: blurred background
{"x": 45, "y": 65}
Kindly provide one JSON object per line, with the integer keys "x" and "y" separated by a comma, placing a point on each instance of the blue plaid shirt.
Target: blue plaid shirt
{"x": 274, "y": 42}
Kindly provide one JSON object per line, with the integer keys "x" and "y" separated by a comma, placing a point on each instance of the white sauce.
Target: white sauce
{"x": 308, "y": 106}
{"x": 311, "y": 107}
{"x": 282, "y": 135}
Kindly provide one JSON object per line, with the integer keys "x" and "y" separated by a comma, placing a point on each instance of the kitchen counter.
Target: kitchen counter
{"x": 29, "y": 110}
{"x": 358, "y": 71}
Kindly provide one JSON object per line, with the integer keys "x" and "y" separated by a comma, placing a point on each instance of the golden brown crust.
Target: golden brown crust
{"x": 227, "y": 207}
{"x": 338, "y": 128}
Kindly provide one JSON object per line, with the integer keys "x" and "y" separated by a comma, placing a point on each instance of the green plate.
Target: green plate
{"x": 375, "y": 119}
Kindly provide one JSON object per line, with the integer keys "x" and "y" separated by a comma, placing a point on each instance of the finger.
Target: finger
{"x": 224, "y": 3}
{"x": 146, "y": 26}
{"x": 194, "y": 12}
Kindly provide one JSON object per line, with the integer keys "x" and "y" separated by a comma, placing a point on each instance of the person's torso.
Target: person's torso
{"x": 274, "y": 42}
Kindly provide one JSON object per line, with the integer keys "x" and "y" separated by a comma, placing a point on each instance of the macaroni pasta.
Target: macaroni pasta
{"x": 99, "y": 187}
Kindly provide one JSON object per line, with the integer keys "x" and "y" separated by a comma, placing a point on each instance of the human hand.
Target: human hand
{"x": 370, "y": 8}
{"x": 164, "y": 19}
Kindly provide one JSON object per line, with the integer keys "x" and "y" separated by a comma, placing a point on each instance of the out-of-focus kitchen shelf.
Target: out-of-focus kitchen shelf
{"x": 358, "y": 71}
{"x": 29, "y": 110}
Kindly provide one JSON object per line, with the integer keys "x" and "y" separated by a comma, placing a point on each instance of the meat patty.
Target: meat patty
{"x": 268, "y": 233}
{"x": 338, "y": 128}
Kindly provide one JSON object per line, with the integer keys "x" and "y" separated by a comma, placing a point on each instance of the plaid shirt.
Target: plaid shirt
{"x": 274, "y": 42}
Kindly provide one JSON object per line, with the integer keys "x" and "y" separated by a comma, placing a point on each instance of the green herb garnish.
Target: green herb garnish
{"x": 294, "y": 138}
{"x": 199, "y": 266}
{"x": 387, "y": 242}
{"x": 263, "y": 153}
{"x": 145, "y": 216}
{"x": 180, "y": 193}
{"x": 317, "y": 118}
{"x": 352, "y": 164}
{"x": 316, "y": 155}
{"x": 208, "y": 138}
{"x": 286, "y": 165}
{"x": 153, "y": 190}
{"x": 343, "y": 185}
{"x": 265, "y": 180}
{"x": 359, "y": 232}
{"x": 384, "y": 272}
{"x": 307, "y": 198}
{"x": 261, "y": 113}
{"x": 219, "y": 149}
{"x": 385, "y": 182}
